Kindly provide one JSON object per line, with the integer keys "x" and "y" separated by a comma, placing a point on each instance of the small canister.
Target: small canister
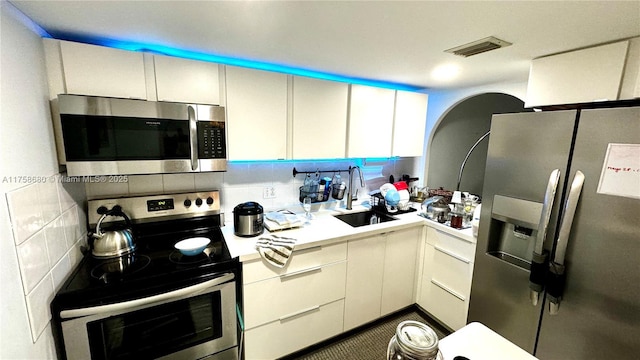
{"x": 414, "y": 341}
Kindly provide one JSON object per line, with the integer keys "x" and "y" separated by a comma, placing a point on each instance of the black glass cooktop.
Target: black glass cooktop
{"x": 155, "y": 267}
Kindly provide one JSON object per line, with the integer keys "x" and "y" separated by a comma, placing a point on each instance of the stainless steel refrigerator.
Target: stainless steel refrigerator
{"x": 557, "y": 265}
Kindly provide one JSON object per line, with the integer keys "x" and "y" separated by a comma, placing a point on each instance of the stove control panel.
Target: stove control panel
{"x": 155, "y": 207}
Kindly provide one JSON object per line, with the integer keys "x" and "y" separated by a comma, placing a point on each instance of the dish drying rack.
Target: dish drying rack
{"x": 379, "y": 203}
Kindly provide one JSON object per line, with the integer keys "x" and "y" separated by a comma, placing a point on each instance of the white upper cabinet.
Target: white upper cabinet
{"x": 319, "y": 118}
{"x": 370, "y": 122}
{"x": 183, "y": 80}
{"x": 102, "y": 71}
{"x": 409, "y": 123}
{"x": 581, "y": 76}
{"x": 256, "y": 114}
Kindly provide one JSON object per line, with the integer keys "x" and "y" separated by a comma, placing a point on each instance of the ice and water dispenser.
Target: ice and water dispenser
{"x": 513, "y": 229}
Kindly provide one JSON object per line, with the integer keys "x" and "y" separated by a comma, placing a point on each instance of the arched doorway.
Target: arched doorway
{"x": 456, "y": 132}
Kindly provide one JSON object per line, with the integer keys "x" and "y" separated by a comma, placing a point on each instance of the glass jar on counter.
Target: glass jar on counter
{"x": 414, "y": 341}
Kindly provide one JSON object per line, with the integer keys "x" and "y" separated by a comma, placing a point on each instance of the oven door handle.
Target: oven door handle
{"x": 176, "y": 294}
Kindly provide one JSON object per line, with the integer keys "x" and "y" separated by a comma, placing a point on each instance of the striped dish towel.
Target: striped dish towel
{"x": 276, "y": 250}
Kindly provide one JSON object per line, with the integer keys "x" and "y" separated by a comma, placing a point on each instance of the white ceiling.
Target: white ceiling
{"x": 393, "y": 41}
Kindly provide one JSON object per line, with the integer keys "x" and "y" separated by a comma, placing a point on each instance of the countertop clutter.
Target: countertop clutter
{"x": 325, "y": 229}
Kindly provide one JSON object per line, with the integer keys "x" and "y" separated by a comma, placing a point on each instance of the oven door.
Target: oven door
{"x": 187, "y": 323}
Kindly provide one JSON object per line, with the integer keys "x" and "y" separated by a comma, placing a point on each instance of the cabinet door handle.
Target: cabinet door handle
{"x": 301, "y": 272}
{"x": 453, "y": 255}
{"x": 445, "y": 288}
{"x": 298, "y": 313}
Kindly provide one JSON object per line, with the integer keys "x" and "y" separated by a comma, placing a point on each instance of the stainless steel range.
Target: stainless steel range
{"x": 154, "y": 302}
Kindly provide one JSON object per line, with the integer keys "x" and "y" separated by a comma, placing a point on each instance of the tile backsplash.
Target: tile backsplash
{"x": 246, "y": 181}
{"x": 47, "y": 220}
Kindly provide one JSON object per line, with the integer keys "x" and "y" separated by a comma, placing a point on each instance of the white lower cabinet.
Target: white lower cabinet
{"x": 281, "y": 337}
{"x": 400, "y": 261}
{"x": 365, "y": 267}
{"x": 380, "y": 275}
{"x": 288, "y": 309}
{"x": 326, "y": 290}
{"x": 446, "y": 277}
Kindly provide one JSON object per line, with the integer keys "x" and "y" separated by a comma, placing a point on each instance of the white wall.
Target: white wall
{"x": 440, "y": 102}
{"x": 40, "y": 218}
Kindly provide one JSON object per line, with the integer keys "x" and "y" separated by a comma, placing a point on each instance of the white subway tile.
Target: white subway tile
{"x": 60, "y": 271}
{"x": 209, "y": 181}
{"x": 25, "y": 212}
{"x": 82, "y": 220}
{"x": 38, "y": 306}
{"x": 283, "y": 173}
{"x": 70, "y": 193}
{"x": 71, "y": 226}
{"x": 57, "y": 244}
{"x": 233, "y": 196}
{"x": 49, "y": 201}
{"x": 145, "y": 184}
{"x": 260, "y": 173}
{"x": 98, "y": 190}
{"x": 75, "y": 254}
{"x": 237, "y": 175}
{"x": 33, "y": 260}
{"x": 178, "y": 183}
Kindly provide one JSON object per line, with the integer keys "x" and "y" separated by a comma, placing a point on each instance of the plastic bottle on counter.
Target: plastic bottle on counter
{"x": 321, "y": 185}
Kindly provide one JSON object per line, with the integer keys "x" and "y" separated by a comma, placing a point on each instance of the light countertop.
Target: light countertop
{"x": 475, "y": 341}
{"x": 325, "y": 229}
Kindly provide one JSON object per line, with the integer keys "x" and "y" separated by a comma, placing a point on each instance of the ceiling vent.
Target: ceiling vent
{"x": 479, "y": 46}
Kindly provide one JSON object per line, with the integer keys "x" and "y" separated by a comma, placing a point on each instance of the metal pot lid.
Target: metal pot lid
{"x": 416, "y": 338}
{"x": 248, "y": 208}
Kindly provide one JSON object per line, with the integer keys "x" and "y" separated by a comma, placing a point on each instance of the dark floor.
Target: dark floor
{"x": 370, "y": 342}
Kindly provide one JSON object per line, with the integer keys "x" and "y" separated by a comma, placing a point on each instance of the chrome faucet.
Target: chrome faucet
{"x": 350, "y": 192}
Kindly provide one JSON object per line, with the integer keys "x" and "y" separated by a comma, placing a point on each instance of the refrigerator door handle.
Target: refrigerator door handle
{"x": 541, "y": 256}
{"x": 557, "y": 275}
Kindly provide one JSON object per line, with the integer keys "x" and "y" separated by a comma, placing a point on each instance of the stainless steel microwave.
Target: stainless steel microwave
{"x": 110, "y": 136}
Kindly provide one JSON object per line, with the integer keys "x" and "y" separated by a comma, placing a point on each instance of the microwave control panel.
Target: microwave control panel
{"x": 212, "y": 142}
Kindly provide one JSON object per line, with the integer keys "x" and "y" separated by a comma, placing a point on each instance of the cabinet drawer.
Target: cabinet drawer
{"x": 446, "y": 306}
{"x": 451, "y": 244}
{"x": 280, "y": 297}
{"x": 452, "y": 271}
{"x": 282, "y": 337}
{"x": 301, "y": 260}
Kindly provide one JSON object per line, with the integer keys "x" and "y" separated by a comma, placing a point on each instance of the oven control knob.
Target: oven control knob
{"x": 209, "y": 200}
{"x": 102, "y": 210}
{"x": 198, "y": 202}
{"x": 187, "y": 203}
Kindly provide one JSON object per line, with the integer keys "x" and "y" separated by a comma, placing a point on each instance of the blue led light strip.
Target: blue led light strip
{"x": 165, "y": 50}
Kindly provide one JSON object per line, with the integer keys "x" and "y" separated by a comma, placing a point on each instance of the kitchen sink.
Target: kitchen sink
{"x": 363, "y": 218}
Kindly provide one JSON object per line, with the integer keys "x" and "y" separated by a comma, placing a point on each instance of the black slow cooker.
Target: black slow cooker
{"x": 248, "y": 219}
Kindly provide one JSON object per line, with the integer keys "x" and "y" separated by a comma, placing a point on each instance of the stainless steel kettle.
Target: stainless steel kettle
{"x": 114, "y": 243}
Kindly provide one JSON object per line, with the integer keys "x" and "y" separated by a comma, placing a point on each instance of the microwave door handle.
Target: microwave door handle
{"x": 193, "y": 137}
{"x": 176, "y": 294}
{"x": 557, "y": 275}
{"x": 541, "y": 256}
